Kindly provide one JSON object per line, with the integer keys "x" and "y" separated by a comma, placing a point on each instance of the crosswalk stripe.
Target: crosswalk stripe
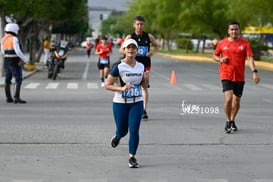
{"x": 153, "y": 180}
{"x": 72, "y": 85}
{"x": 92, "y": 85}
{"x": 93, "y": 180}
{"x": 52, "y": 85}
{"x": 143, "y": 180}
{"x": 27, "y": 180}
{"x": 32, "y": 85}
{"x": 211, "y": 180}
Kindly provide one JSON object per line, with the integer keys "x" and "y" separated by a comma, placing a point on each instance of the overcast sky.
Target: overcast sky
{"x": 121, "y": 5}
{"x": 94, "y": 14}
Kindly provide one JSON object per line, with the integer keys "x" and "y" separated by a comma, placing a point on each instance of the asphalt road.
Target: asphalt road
{"x": 63, "y": 133}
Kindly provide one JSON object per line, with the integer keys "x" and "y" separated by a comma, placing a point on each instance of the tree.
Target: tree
{"x": 36, "y": 16}
{"x": 201, "y": 18}
{"x": 252, "y": 12}
{"x": 108, "y": 26}
{"x": 165, "y": 25}
{"x": 158, "y": 22}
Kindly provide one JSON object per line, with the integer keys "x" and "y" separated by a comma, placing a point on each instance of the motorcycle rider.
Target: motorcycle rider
{"x": 60, "y": 52}
{"x": 14, "y": 60}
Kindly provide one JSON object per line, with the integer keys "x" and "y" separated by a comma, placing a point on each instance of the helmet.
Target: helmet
{"x": 12, "y": 27}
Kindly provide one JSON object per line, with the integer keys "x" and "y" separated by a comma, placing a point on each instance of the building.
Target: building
{"x": 100, "y": 10}
{"x": 265, "y": 33}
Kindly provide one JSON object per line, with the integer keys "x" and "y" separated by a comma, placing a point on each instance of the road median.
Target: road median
{"x": 259, "y": 64}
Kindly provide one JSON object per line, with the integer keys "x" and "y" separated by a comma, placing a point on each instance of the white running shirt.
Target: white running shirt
{"x": 128, "y": 75}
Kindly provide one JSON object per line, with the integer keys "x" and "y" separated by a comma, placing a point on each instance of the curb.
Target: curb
{"x": 259, "y": 64}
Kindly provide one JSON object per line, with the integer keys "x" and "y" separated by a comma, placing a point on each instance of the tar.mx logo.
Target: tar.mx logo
{"x": 197, "y": 109}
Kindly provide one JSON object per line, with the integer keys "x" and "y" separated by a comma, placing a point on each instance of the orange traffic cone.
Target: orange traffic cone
{"x": 173, "y": 78}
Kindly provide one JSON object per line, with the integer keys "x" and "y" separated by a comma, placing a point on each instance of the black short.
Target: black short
{"x": 102, "y": 66}
{"x": 237, "y": 87}
{"x": 146, "y": 61}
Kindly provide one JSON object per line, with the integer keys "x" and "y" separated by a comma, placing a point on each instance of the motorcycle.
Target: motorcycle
{"x": 57, "y": 59}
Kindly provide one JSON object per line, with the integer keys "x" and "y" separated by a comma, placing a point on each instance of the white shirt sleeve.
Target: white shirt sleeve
{"x": 2, "y": 50}
{"x": 17, "y": 50}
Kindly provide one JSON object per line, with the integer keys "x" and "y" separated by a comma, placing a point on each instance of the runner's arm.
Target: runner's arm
{"x": 109, "y": 84}
{"x": 256, "y": 78}
{"x": 154, "y": 44}
{"x": 17, "y": 50}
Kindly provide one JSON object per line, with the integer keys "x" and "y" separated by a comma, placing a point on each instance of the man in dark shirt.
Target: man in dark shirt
{"x": 143, "y": 40}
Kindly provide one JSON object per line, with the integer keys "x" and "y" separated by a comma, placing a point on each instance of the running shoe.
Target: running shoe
{"x": 102, "y": 84}
{"x": 228, "y": 127}
{"x": 114, "y": 141}
{"x": 9, "y": 100}
{"x": 233, "y": 126}
{"x": 133, "y": 163}
{"x": 145, "y": 116}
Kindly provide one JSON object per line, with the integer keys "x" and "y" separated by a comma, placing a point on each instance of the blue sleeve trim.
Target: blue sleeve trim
{"x": 114, "y": 71}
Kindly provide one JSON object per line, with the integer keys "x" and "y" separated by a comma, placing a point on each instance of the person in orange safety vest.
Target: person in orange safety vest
{"x": 14, "y": 59}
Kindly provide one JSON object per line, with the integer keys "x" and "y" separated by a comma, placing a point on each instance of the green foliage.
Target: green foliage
{"x": 166, "y": 18}
{"x": 184, "y": 43}
{"x": 258, "y": 45}
{"x": 108, "y": 26}
{"x": 70, "y": 27}
{"x": 36, "y": 16}
{"x": 45, "y": 10}
{"x": 256, "y": 13}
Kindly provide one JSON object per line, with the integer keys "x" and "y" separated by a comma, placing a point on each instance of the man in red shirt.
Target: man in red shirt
{"x": 231, "y": 53}
{"x": 103, "y": 50}
{"x": 89, "y": 47}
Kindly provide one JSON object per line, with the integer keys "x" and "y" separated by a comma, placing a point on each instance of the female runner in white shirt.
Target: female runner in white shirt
{"x": 125, "y": 79}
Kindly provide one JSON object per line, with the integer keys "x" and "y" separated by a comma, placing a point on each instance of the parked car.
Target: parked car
{"x": 208, "y": 44}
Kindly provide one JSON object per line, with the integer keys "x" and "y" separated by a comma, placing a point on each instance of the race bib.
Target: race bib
{"x": 133, "y": 92}
{"x": 104, "y": 60}
{"x": 142, "y": 50}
